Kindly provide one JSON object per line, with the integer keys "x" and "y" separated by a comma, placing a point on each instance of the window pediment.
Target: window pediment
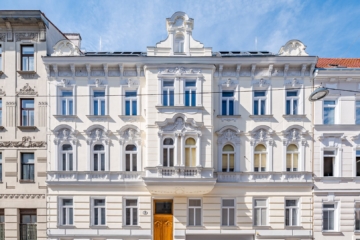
{"x": 228, "y": 134}
{"x": 332, "y": 140}
{"x": 129, "y": 134}
{"x": 261, "y": 83}
{"x": 262, "y": 135}
{"x": 98, "y": 135}
{"x": 294, "y": 135}
{"x": 178, "y": 124}
{"x": 66, "y": 135}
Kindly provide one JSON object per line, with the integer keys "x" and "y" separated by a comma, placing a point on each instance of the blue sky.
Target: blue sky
{"x": 328, "y": 28}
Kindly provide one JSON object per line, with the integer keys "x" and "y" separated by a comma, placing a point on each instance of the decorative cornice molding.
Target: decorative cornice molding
{"x": 26, "y": 36}
{"x": 27, "y": 90}
{"x": 25, "y": 143}
{"x": 65, "y": 134}
{"x": 178, "y": 71}
{"x": 293, "y": 48}
{"x": 2, "y": 37}
{"x": 22, "y": 196}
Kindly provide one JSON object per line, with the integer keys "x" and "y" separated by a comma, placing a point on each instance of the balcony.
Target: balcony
{"x": 179, "y": 180}
{"x": 70, "y": 177}
{"x": 28, "y": 232}
{"x": 265, "y": 177}
{"x": 2, "y": 231}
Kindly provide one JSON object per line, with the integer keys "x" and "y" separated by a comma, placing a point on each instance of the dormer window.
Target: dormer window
{"x": 179, "y": 44}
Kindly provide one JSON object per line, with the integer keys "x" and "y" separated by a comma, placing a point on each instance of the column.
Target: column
{"x": 220, "y": 95}
{"x": 237, "y": 157}
{"x": 270, "y": 154}
{"x": 176, "y": 140}
{"x": 199, "y": 90}
{"x": 198, "y": 151}
{"x": 219, "y": 145}
{"x": 182, "y": 146}
{"x": 160, "y": 163}
{"x": 159, "y": 103}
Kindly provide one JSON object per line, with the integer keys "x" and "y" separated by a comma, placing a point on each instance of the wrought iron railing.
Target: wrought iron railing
{"x": 28, "y": 232}
{"x": 2, "y": 231}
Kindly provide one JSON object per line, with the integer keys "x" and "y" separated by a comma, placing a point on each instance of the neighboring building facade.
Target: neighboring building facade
{"x": 135, "y": 152}
{"x": 25, "y": 36}
{"x": 337, "y": 150}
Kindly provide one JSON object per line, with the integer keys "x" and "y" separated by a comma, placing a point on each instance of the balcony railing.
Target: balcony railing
{"x": 276, "y": 177}
{"x": 179, "y": 172}
{"x": 93, "y": 176}
{"x": 2, "y": 231}
{"x": 28, "y": 232}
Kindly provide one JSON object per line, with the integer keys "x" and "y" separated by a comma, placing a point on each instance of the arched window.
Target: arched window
{"x": 99, "y": 157}
{"x": 260, "y": 158}
{"x": 168, "y": 152}
{"x": 228, "y": 158}
{"x": 292, "y": 156}
{"x": 131, "y": 158}
{"x": 179, "y": 44}
{"x": 67, "y": 157}
{"x": 190, "y": 152}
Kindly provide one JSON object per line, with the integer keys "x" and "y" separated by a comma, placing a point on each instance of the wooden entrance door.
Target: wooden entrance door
{"x": 163, "y": 220}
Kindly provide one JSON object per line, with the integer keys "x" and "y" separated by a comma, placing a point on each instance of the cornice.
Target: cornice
{"x": 22, "y": 196}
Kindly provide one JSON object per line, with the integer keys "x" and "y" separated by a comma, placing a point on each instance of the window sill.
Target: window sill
{"x": 261, "y": 116}
{"x": 27, "y": 128}
{"x": 1, "y": 73}
{"x": 294, "y": 116}
{"x": 262, "y": 227}
{"x": 98, "y": 116}
{"x": 130, "y": 118}
{"x": 98, "y": 226}
{"x": 179, "y": 107}
{"x": 334, "y": 233}
{"x": 26, "y": 72}
{"x": 229, "y": 227}
{"x": 195, "y": 227}
{"x": 26, "y": 181}
{"x": 66, "y": 226}
{"x": 228, "y": 116}
{"x": 293, "y": 227}
{"x": 131, "y": 227}
{"x": 65, "y": 116}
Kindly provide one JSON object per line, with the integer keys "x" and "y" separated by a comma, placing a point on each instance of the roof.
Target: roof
{"x": 338, "y": 63}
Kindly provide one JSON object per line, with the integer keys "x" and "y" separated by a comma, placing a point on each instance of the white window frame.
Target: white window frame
{"x": 67, "y": 100}
{"x": 227, "y": 99}
{"x": 335, "y": 161}
{"x": 179, "y": 43}
{"x": 131, "y": 157}
{"x": 168, "y": 147}
{"x": 290, "y": 211}
{"x": 191, "y": 89}
{"x": 267, "y": 212}
{"x": 292, "y": 99}
{"x": 260, "y": 153}
{"x": 357, "y": 209}
{"x": 67, "y": 153}
{"x": 355, "y": 170}
{"x": 228, "y": 159}
{"x": 335, "y": 111}
{"x": 335, "y": 216}
{"x": 228, "y": 211}
{"x": 357, "y": 107}
{"x": 195, "y": 207}
{"x": 168, "y": 89}
{"x": 99, "y": 100}
{"x": 292, "y": 158}
{"x": 61, "y": 215}
{"x": 98, "y": 152}
{"x": 65, "y": 88}
{"x": 191, "y": 147}
{"x": 259, "y": 99}
{"x": 93, "y": 89}
{"x": 93, "y": 211}
{"x": 131, "y": 207}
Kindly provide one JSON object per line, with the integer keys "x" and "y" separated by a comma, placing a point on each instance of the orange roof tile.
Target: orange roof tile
{"x": 338, "y": 62}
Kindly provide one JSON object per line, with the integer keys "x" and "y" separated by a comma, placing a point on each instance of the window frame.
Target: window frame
{"x": 168, "y": 90}
{"x": 335, "y": 209}
{"x": 260, "y": 154}
{"x": 28, "y": 111}
{"x": 334, "y": 161}
{"x": 292, "y": 158}
{"x": 195, "y": 207}
{"x": 290, "y": 215}
{"x": 228, "y": 159}
{"x": 1, "y": 57}
{"x": 131, "y": 153}
{"x": 356, "y": 169}
{"x": 179, "y": 43}
{"x": 21, "y": 167}
{"x": 1, "y": 167}
{"x": 292, "y": 99}
{"x": 190, "y": 148}
{"x": 260, "y": 99}
{"x": 267, "y": 212}
{"x": 357, "y": 209}
{"x": 1, "y": 112}
{"x": 228, "y": 100}
{"x": 357, "y": 107}
{"x": 190, "y": 89}
{"x": 167, "y": 148}
{"x": 99, "y": 100}
{"x": 93, "y": 211}
{"x": 131, "y": 212}
{"x": 335, "y": 111}
{"x": 228, "y": 210}
{"x": 27, "y": 56}
{"x": 131, "y": 99}
{"x": 61, "y": 214}
{"x": 98, "y": 153}
{"x": 67, "y": 153}
{"x": 67, "y": 100}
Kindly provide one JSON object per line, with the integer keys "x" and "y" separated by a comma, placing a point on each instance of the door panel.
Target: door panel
{"x": 163, "y": 227}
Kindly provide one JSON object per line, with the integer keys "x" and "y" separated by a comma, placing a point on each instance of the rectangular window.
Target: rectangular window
{"x": 28, "y": 221}
{"x": 329, "y": 217}
{"x": 27, "y": 112}
{"x": 0, "y": 167}
{"x": 228, "y": 212}
{"x": 291, "y": 212}
{"x": 259, "y": 102}
{"x": 27, "y": 166}
{"x": 99, "y": 103}
{"x": 67, "y": 212}
{"x": 67, "y": 103}
{"x": 0, "y": 112}
{"x": 194, "y": 212}
{"x": 329, "y": 112}
{"x": 0, "y": 58}
{"x": 27, "y": 58}
{"x": 292, "y": 100}
{"x": 227, "y": 103}
{"x": 357, "y": 216}
{"x": 357, "y": 112}
{"x": 131, "y": 103}
{"x": 190, "y": 93}
{"x": 357, "y": 163}
{"x": 131, "y": 212}
{"x": 329, "y": 162}
{"x": 168, "y": 93}
{"x": 99, "y": 212}
{"x": 260, "y": 212}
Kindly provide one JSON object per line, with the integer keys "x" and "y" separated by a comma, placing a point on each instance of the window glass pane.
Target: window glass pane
{"x": 290, "y": 203}
{"x": 135, "y": 220}
{"x": 331, "y": 220}
{"x": 224, "y": 218}
{"x": 260, "y": 148}
{"x": 102, "y": 162}
{"x": 228, "y": 94}
{"x": 256, "y": 162}
{"x": 263, "y": 217}
{"x": 171, "y": 93}
{"x": 295, "y": 107}
{"x": 257, "y": 217}
{"x": 328, "y": 166}
{"x": 228, "y": 202}
{"x": 193, "y": 157}
{"x": 291, "y": 93}
{"x": 102, "y": 216}
{"x": 187, "y": 98}
{"x": 288, "y": 107}
{"x": 190, "y": 141}
{"x": 27, "y": 50}
{"x": 198, "y": 217}
{"x": 64, "y": 216}
{"x": 259, "y": 94}
{"x": 99, "y": 202}
{"x": 31, "y": 63}
{"x": 260, "y": 202}
{"x": 231, "y": 162}
{"x": 96, "y": 107}
{"x": 187, "y": 157}
{"x": 99, "y": 147}
{"x": 256, "y": 107}
{"x": 127, "y": 108}
{"x": 190, "y": 83}
{"x": 130, "y": 94}
{"x": 71, "y": 216}
{"x": 25, "y": 63}
{"x": 66, "y": 147}
{"x": 66, "y": 93}
{"x": 294, "y": 217}
{"x": 194, "y": 202}
{"x": 127, "y": 162}
{"x": 262, "y": 107}
{"x": 288, "y": 162}
{"x": 103, "y": 108}
{"x": 191, "y": 216}
{"x": 96, "y": 162}
{"x": 358, "y": 115}
{"x": 31, "y": 118}
{"x": 134, "y": 162}
{"x": 224, "y": 163}
{"x": 329, "y": 115}
{"x": 328, "y": 206}
{"x": 224, "y": 107}
{"x": 67, "y": 202}
{"x": 171, "y": 157}
{"x": 134, "y": 107}
{"x": 287, "y": 217}
{"x": 128, "y": 217}
{"x": 295, "y": 161}
{"x": 168, "y": 141}
{"x": 228, "y": 148}
{"x": 99, "y": 93}
{"x": 27, "y": 158}
{"x": 27, "y": 103}
{"x": 70, "y": 162}
{"x": 358, "y": 166}
{"x": 232, "y": 217}
{"x": 131, "y": 202}
{"x": 231, "y": 107}
{"x": 329, "y": 102}
{"x": 165, "y": 98}
{"x": 130, "y": 148}
{"x": 165, "y": 157}
{"x": 193, "y": 98}
{"x": 168, "y": 83}
{"x": 71, "y": 112}
{"x": 63, "y": 107}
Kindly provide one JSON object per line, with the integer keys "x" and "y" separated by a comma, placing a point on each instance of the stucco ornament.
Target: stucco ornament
{"x": 262, "y": 135}
{"x": 27, "y": 90}
{"x": 66, "y": 48}
{"x": 67, "y": 135}
{"x": 25, "y": 143}
{"x": 294, "y": 135}
{"x": 230, "y": 134}
{"x": 129, "y": 134}
{"x": 293, "y": 48}
{"x": 97, "y": 134}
